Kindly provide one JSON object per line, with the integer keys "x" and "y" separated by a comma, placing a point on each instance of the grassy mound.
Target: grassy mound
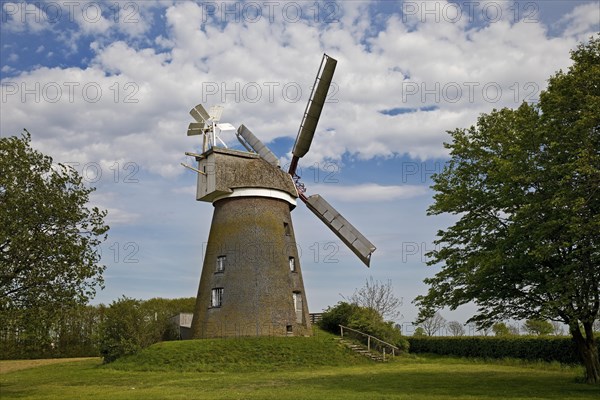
{"x": 241, "y": 354}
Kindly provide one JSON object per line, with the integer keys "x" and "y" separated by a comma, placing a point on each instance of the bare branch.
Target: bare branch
{"x": 378, "y": 296}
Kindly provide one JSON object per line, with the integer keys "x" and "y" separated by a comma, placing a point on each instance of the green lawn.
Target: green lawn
{"x": 405, "y": 378}
{"x": 286, "y": 368}
{"x": 242, "y": 354}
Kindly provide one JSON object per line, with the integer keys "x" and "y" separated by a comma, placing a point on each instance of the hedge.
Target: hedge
{"x": 546, "y": 348}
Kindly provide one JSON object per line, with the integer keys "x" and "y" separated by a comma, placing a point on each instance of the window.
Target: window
{"x": 216, "y": 298}
{"x": 221, "y": 263}
{"x": 292, "y": 264}
{"x": 286, "y": 229}
{"x": 297, "y": 296}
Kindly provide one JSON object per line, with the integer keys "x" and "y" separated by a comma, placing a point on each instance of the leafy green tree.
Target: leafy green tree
{"x": 337, "y": 315}
{"x": 48, "y": 237}
{"x": 77, "y": 331}
{"x": 49, "y": 264}
{"x": 70, "y": 331}
{"x": 363, "y": 319}
{"x": 524, "y": 186}
{"x": 129, "y": 325}
{"x": 125, "y": 329}
{"x": 500, "y": 329}
{"x": 419, "y": 332}
{"x": 538, "y": 327}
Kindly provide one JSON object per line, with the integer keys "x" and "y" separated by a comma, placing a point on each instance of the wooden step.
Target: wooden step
{"x": 361, "y": 350}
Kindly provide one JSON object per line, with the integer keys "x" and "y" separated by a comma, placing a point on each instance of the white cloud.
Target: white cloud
{"x": 186, "y": 190}
{"x": 141, "y": 115}
{"x": 109, "y": 201}
{"x": 23, "y": 16}
{"x": 583, "y": 21}
{"x": 117, "y": 216}
{"x": 104, "y": 21}
{"x": 150, "y": 77}
{"x": 368, "y": 192}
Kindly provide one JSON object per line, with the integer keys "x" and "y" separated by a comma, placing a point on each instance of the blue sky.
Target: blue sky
{"x": 106, "y": 86}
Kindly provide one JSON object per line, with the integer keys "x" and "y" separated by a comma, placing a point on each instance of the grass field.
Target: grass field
{"x": 161, "y": 373}
{"x": 10, "y": 366}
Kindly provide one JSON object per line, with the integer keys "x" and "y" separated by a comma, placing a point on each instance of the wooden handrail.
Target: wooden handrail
{"x": 369, "y": 337}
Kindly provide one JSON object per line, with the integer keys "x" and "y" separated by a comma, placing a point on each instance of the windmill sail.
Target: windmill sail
{"x": 195, "y": 128}
{"x": 258, "y": 146}
{"x": 215, "y": 113}
{"x": 313, "y": 110}
{"x": 360, "y": 245}
{"x": 243, "y": 143}
{"x": 199, "y": 113}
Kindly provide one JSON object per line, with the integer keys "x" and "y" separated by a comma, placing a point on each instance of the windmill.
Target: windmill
{"x": 251, "y": 282}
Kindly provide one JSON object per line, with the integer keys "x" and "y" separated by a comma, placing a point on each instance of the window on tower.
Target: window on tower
{"x": 286, "y": 229}
{"x": 292, "y": 264}
{"x": 216, "y": 298}
{"x": 297, "y": 298}
{"x": 221, "y": 263}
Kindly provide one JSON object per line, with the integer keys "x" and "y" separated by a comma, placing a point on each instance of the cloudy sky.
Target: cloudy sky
{"x": 106, "y": 86}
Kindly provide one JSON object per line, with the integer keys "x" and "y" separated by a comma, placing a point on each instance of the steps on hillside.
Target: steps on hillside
{"x": 360, "y": 349}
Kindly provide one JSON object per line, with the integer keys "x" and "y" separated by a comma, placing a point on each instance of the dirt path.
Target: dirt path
{"x": 15, "y": 365}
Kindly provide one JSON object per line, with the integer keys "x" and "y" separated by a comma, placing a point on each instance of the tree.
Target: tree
{"x": 419, "y": 332}
{"x": 433, "y": 324}
{"x": 48, "y": 238}
{"x": 369, "y": 321}
{"x": 456, "y": 328}
{"x": 363, "y": 319}
{"x": 538, "y": 327}
{"x": 500, "y": 329}
{"x": 76, "y": 331}
{"x": 125, "y": 330}
{"x": 337, "y": 315}
{"x": 379, "y": 296}
{"x": 524, "y": 186}
{"x": 130, "y": 325}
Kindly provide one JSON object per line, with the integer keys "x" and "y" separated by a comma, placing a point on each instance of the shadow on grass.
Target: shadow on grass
{"x": 456, "y": 384}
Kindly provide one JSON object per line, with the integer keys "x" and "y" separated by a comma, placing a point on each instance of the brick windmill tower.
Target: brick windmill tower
{"x": 251, "y": 282}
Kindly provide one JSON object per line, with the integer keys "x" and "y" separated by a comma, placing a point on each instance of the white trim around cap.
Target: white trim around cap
{"x": 259, "y": 192}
